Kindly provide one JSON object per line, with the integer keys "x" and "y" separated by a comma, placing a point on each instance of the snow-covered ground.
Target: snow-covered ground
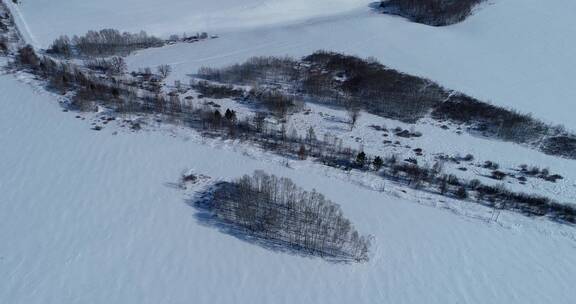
{"x": 95, "y": 217}
{"x": 91, "y": 217}
{"x": 47, "y": 19}
{"x": 515, "y": 53}
{"x": 436, "y": 141}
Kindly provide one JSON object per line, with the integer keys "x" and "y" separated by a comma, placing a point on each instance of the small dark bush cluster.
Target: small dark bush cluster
{"x": 491, "y": 165}
{"x": 528, "y": 204}
{"x": 491, "y": 120}
{"x": 509, "y": 125}
{"x": 106, "y": 42}
{"x": 5, "y": 18}
{"x": 27, "y": 57}
{"x": 431, "y": 12}
{"x": 498, "y": 175}
{"x": 255, "y": 71}
{"x": 210, "y": 90}
{"x": 6, "y": 23}
{"x": 3, "y": 45}
{"x": 188, "y": 38}
{"x": 539, "y": 173}
{"x": 281, "y": 215}
{"x": 493, "y": 196}
{"x": 406, "y": 133}
{"x": 564, "y": 145}
{"x": 276, "y": 101}
{"x": 113, "y": 66}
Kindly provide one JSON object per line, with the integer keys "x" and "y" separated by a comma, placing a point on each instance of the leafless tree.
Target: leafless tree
{"x": 164, "y": 70}
{"x": 275, "y": 209}
{"x": 353, "y": 115}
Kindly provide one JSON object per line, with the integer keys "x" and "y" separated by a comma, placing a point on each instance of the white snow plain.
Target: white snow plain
{"x": 90, "y": 217}
{"x": 50, "y": 18}
{"x": 514, "y": 53}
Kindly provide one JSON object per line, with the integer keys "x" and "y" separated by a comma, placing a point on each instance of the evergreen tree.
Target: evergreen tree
{"x": 311, "y": 136}
{"x": 302, "y": 152}
{"x": 230, "y": 115}
{"x": 361, "y": 159}
{"x": 378, "y": 163}
{"x": 217, "y": 118}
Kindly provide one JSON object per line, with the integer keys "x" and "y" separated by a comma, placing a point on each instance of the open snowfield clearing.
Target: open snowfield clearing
{"x": 90, "y": 217}
{"x": 47, "y": 19}
{"x": 435, "y": 141}
{"x": 514, "y": 53}
{"x": 97, "y": 216}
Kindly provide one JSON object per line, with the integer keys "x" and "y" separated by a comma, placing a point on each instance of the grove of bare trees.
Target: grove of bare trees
{"x": 276, "y": 210}
{"x": 106, "y": 42}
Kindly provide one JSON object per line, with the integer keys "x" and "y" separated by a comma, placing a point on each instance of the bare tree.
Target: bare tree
{"x": 61, "y": 46}
{"x": 353, "y": 115}
{"x": 164, "y": 70}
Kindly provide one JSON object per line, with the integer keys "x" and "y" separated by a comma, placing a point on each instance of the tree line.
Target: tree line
{"x": 106, "y": 42}
{"x": 127, "y": 96}
{"x": 355, "y": 84}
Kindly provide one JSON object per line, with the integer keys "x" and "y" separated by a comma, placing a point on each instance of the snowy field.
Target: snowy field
{"x": 90, "y": 217}
{"x": 95, "y": 216}
{"x": 434, "y": 141}
{"x": 515, "y": 53}
{"x": 169, "y": 17}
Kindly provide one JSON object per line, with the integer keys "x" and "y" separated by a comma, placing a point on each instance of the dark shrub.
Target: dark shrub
{"x": 431, "y": 12}
{"x": 560, "y": 145}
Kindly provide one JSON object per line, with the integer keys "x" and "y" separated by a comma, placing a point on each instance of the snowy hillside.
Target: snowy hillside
{"x": 94, "y": 202}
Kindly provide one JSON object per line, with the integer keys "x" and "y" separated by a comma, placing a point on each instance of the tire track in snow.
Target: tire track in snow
{"x": 21, "y": 25}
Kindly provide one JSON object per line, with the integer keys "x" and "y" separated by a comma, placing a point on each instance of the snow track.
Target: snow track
{"x": 23, "y": 28}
